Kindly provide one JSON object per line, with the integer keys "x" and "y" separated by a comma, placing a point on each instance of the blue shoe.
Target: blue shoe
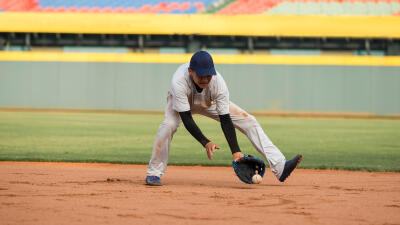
{"x": 289, "y": 167}
{"x": 153, "y": 181}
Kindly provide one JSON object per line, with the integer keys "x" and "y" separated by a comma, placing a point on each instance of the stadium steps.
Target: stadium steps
{"x": 313, "y": 7}
{"x": 352, "y": 7}
{"x": 335, "y": 8}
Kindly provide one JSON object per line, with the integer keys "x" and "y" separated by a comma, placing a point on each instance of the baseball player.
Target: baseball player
{"x": 197, "y": 88}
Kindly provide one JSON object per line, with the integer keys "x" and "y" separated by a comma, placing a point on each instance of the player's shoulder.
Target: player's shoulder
{"x": 181, "y": 72}
{"x": 184, "y": 66}
{"x": 180, "y": 77}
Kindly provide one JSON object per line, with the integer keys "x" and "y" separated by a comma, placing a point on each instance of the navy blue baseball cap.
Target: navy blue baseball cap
{"x": 202, "y": 63}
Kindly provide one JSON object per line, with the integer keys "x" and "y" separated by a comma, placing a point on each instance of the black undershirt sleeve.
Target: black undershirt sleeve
{"x": 193, "y": 129}
{"x": 229, "y": 132}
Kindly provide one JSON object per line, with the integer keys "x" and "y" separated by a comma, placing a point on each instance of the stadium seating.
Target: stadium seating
{"x": 106, "y": 6}
{"x": 337, "y": 8}
{"x": 280, "y": 7}
{"x": 249, "y": 6}
{"x": 313, "y": 7}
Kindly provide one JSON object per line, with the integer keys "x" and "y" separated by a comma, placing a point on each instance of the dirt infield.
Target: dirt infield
{"x": 77, "y": 193}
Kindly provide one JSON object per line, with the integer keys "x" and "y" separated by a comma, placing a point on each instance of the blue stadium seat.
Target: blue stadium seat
{"x": 137, "y": 4}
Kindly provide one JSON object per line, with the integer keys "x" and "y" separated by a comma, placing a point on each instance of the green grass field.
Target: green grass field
{"x": 351, "y": 144}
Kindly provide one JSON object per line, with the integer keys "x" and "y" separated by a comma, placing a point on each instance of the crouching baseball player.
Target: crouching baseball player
{"x": 197, "y": 88}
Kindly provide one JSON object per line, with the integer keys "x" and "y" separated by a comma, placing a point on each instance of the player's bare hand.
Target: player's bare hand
{"x": 211, "y": 147}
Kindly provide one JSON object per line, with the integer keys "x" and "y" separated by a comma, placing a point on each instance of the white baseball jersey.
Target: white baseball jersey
{"x": 185, "y": 96}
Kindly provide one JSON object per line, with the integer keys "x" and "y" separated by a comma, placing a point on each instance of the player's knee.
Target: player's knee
{"x": 170, "y": 124}
{"x": 250, "y": 122}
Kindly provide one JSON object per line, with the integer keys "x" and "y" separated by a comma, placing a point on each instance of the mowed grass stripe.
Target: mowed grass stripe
{"x": 350, "y": 144}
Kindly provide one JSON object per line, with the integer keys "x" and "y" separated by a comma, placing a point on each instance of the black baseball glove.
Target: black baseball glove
{"x": 247, "y": 166}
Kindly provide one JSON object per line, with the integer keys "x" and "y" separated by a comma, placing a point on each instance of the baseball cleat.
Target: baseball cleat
{"x": 153, "y": 181}
{"x": 290, "y": 166}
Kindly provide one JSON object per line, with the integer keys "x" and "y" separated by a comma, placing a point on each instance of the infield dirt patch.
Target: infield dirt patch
{"x": 78, "y": 193}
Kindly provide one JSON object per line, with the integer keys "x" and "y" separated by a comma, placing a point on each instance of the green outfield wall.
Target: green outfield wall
{"x": 143, "y": 86}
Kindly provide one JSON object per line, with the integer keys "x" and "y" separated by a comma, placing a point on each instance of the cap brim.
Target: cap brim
{"x": 205, "y": 72}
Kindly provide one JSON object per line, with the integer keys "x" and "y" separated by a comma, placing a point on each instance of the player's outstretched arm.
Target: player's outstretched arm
{"x": 195, "y": 131}
{"x": 230, "y": 135}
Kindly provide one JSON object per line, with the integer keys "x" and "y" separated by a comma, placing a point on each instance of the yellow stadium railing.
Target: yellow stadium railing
{"x": 204, "y": 24}
{"x": 218, "y": 59}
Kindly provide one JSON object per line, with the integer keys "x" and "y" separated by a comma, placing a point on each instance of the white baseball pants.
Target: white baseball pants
{"x": 243, "y": 121}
